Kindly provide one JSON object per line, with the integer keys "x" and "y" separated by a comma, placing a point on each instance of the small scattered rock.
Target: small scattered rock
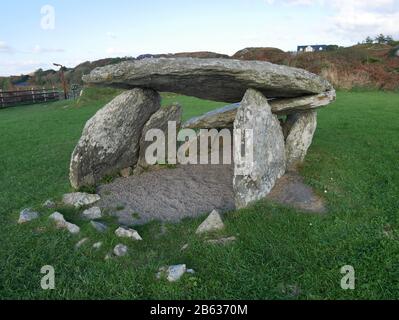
{"x": 92, "y": 213}
{"x": 27, "y": 215}
{"x": 108, "y": 256}
{"x": 185, "y": 247}
{"x": 49, "y": 204}
{"x": 97, "y": 245}
{"x": 190, "y": 271}
{"x": 161, "y": 272}
{"x": 81, "y": 243}
{"x": 40, "y": 230}
{"x": 162, "y": 232}
{"x": 59, "y": 219}
{"x": 176, "y": 272}
{"x": 126, "y": 173}
{"x": 120, "y": 250}
{"x": 211, "y": 224}
{"x": 292, "y": 291}
{"x": 100, "y": 227}
{"x": 80, "y": 199}
{"x": 63, "y": 224}
{"x": 128, "y": 233}
{"x": 72, "y": 228}
{"x": 172, "y": 273}
{"x": 222, "y": 241}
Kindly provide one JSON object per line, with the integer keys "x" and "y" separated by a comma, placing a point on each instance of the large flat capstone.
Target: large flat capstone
{"x": 111, "y": 139}
{"x": 224, "y": 80}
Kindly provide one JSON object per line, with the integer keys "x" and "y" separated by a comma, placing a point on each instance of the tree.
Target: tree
{"x": 6, "y": 84}
{"x": 380, "y": 39}
{"x": 39, "y": 77}
{"x": 369, "y": 40}
{"x": 389, "y": 40}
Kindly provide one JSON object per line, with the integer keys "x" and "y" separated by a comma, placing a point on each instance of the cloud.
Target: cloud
{"x": 16, "y": 67}
{"x": 38, "y": 49}
{"x": 111, "y": 35}
{"x": 362, "y": 18}
{"x": 4, "y": 48}
{"x": 117, "y": 51}
{"x": 355, "y": 19}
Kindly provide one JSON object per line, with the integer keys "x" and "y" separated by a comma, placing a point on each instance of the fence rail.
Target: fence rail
{"x": 32, "y": 96}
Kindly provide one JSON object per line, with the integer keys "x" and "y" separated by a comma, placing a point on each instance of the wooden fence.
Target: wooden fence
{"x": 32, "y": 96}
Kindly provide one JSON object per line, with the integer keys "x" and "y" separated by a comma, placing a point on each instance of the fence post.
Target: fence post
{"x": 1, "y": 98}
{"x": 33, "y": 95}
{"x": 44, "y": 95}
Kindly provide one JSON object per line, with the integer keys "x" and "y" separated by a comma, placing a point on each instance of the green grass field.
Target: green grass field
{"x": 280, "y": 253}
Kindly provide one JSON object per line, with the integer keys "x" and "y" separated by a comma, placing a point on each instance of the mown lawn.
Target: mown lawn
{"x": 280, "y": 253}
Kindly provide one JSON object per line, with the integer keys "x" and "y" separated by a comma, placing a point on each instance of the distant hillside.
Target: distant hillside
{"x": 370, "y": 66}
{"x": 49, "y": 78}
{"x": 198, "y": 54}
{"x": 262, "y": 54}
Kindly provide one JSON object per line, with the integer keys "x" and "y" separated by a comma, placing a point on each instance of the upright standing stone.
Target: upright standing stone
{"x": 159, "y": 121}
{"x": 110, "y": 140}
{"x": 268, "y": 150}
{"x": 302, "y": 127}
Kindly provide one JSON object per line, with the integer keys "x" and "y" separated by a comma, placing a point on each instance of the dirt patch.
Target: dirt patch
{"x": 291, "y": 191}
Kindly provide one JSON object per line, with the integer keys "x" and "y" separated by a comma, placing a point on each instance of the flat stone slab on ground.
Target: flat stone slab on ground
{"x": 170, "y": 194}
{"x": 291, "y": 191}
{"x": 190, "y": 191}
{"x": 223, "y": 80}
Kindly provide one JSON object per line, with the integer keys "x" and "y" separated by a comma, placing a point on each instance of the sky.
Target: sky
{"x": 36, "y": 33}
